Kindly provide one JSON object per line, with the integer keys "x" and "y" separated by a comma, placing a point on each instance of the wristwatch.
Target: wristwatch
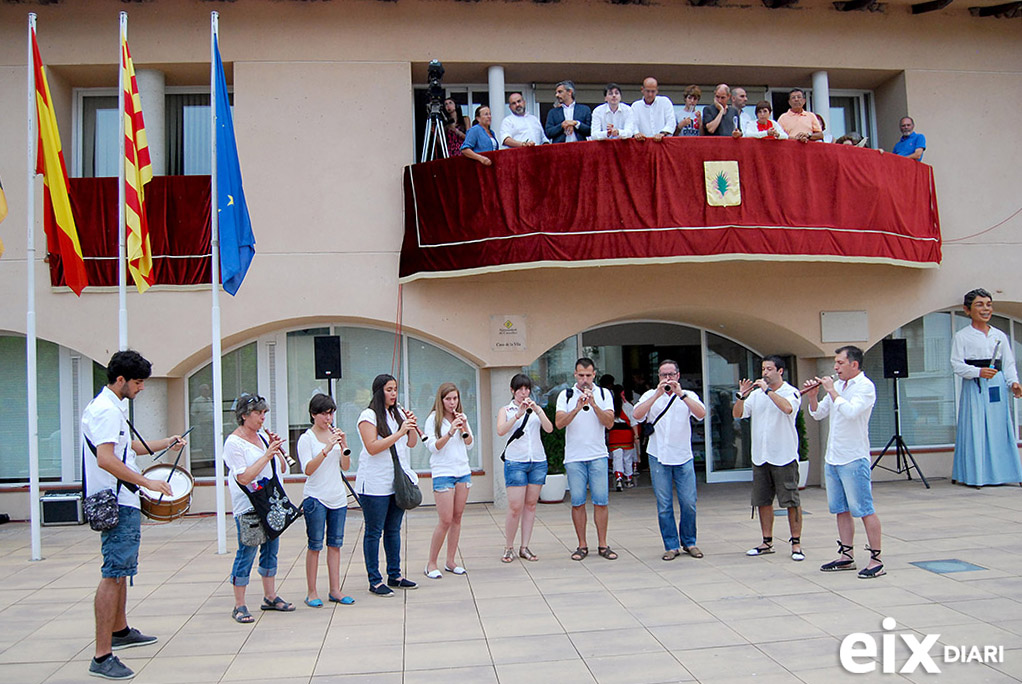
{"x": 767, "y": 391}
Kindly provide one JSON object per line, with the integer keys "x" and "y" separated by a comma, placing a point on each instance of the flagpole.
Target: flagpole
{"x": 30, "y": 333}
{"x": 122, "y": 278}
{"x": 214, "y": 229}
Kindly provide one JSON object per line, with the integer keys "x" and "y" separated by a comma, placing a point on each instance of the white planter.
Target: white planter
{"x": 554, "y": 489}
{"x": 803, "y": 474}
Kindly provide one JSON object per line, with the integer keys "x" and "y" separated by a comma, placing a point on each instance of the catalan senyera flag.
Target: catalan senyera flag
{"x": 138, "y": 170}
{"x": 3, "y": 212}
{"x": 50, "y": 163}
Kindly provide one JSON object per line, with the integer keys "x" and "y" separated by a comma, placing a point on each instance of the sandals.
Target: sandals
{"x": 344, "y": 600}
{"x": 580, "y": 553}
{"x": 606, "y": 552}
{"x": 875, "y": 571}
{"x": 278, "y": 604}
{"x": 456, "y": 570}
{"x": 241, "y": 614}
{"x": 433, "y": 574}
{"x": 670, "y": 555}
{"x": 313, "y": 603}
{"x": 796, "y": 555}
{"x": 509, "y": 555}
{"x": 523, "y": 552}
{"x": 835, "y": 565}
{"x": 763, "y": 549}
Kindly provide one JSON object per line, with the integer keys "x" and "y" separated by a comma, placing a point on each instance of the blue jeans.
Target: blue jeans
{"x": 523, "y": 473}
{"x": 317, "y": 518}
{"x": 245, "y": 556}
{"x": 593, "y": 473}
{"x": 382, "y": 518}
{"x": 668, "y": 479}
{"x": 849, "y": 488}
{"x": 120, "y": 545}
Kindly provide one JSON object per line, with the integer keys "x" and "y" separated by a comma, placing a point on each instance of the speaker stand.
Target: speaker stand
{"x": 901, "y": 452}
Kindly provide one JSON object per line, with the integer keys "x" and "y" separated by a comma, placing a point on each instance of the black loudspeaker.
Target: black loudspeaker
{"x": 328, "y": 357}
{"x": 895, "y": 359}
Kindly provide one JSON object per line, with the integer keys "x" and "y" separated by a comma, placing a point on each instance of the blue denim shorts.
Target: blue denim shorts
{"x": 849, "y": 488}
{"x": 592, "y": 473}
{"x": 120, "y": 545}
{"x": 318, "y": 516}
{"x": 521, "y": 473}
{"x": 444, "y": 482}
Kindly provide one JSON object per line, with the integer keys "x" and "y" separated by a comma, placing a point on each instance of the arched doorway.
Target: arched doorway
{"x": 710, "y": 364}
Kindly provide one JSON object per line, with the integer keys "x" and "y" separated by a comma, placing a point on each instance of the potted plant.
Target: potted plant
{"x": 553, "y": 444}
{"x": 803, "y": 450}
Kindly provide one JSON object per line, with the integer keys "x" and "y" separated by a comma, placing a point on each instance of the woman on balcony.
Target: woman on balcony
{"x": 456, "y": 126}
{"x": 480, "y": 138}
{"x": 449, "y": 440}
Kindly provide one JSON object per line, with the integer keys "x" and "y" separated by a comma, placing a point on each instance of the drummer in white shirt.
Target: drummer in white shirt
{"x": 450, "y": 438}
{"x": 612, "y": 120}
{"x": 520, "y": 129}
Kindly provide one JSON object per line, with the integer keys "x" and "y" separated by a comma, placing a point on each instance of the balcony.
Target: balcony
{"x": 628, "y": 202}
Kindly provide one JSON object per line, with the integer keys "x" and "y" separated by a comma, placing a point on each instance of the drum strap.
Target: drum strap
{"x": 133, "y": 488}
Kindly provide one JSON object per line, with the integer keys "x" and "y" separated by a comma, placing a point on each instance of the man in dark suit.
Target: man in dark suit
{"x": 569, "y": 120}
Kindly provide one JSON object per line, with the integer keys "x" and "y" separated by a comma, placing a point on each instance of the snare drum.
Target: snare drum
{"x": 172, "y": 507}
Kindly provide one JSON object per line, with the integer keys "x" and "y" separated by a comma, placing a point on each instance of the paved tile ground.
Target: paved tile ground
{"x": 724, "y": 618}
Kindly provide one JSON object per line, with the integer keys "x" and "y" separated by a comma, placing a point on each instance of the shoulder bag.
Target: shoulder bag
{"x": 407, "y": 494}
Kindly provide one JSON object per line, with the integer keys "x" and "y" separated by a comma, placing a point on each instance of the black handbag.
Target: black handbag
{"x": 274, "y": 508}
{"x": 407, "y": 494}
{"x": 649, "y": 428}
{"x": 101, "y": 510}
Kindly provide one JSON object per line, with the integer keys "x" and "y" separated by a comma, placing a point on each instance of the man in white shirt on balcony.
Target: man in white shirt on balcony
{"x": 653, "y": 113}
{"x": 613, "y": 120}
{"x": 520, "y": 129}
{"x": 849, "y": 402}
{"x": 739, "y": 98}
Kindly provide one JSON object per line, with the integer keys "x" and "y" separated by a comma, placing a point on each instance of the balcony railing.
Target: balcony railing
{"x": 614, "y": 202}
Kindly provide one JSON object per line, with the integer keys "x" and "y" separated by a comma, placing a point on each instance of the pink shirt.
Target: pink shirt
{"x": 793, "y": 123}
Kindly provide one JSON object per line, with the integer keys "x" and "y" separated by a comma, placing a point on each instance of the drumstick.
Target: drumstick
{"x": 173, "y": 467}
{"x": 173, "y": 443}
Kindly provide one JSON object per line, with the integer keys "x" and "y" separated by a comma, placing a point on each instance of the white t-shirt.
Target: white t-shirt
{"x": 324, "y": 484}
{"x": 452, "y": 460}
{"x": 671, "y": 442}
{"x": 239, "y": 454}
{"x": 774, "y": 438}
{"x": 375, "y": 475}
{"x": 529, "y": 447}
{"x": 104, "y": 421}
{"x": 584, "y": 437}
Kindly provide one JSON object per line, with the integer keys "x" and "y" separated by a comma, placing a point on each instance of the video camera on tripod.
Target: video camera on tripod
{"x": 435, "y": 122}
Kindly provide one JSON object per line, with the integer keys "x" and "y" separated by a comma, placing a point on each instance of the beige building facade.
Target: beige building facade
{"x": 326, "y": 119}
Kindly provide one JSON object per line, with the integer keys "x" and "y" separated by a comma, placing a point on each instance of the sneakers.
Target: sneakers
{"x": 111, "y": 668}
{"x": 618, "y": 485}
{"x": 131, "y": 639}
{"x": 630, "y": 482}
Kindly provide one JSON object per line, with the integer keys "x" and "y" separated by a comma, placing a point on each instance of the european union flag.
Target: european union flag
{"x": 237, "y": 243}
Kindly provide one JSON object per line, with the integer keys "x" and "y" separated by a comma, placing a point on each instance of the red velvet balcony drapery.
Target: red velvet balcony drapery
{"x": 616, "y": 202}
{"x": 179, "y": 231}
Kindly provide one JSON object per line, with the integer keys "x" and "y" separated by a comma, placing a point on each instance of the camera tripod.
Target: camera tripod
{"x": 435, "y": 136}
{"x": 901, "y": 452}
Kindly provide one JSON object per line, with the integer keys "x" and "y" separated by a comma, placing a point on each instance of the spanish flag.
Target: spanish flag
{"x": 50, "y": 163}
{"x": 138, "y": 170}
